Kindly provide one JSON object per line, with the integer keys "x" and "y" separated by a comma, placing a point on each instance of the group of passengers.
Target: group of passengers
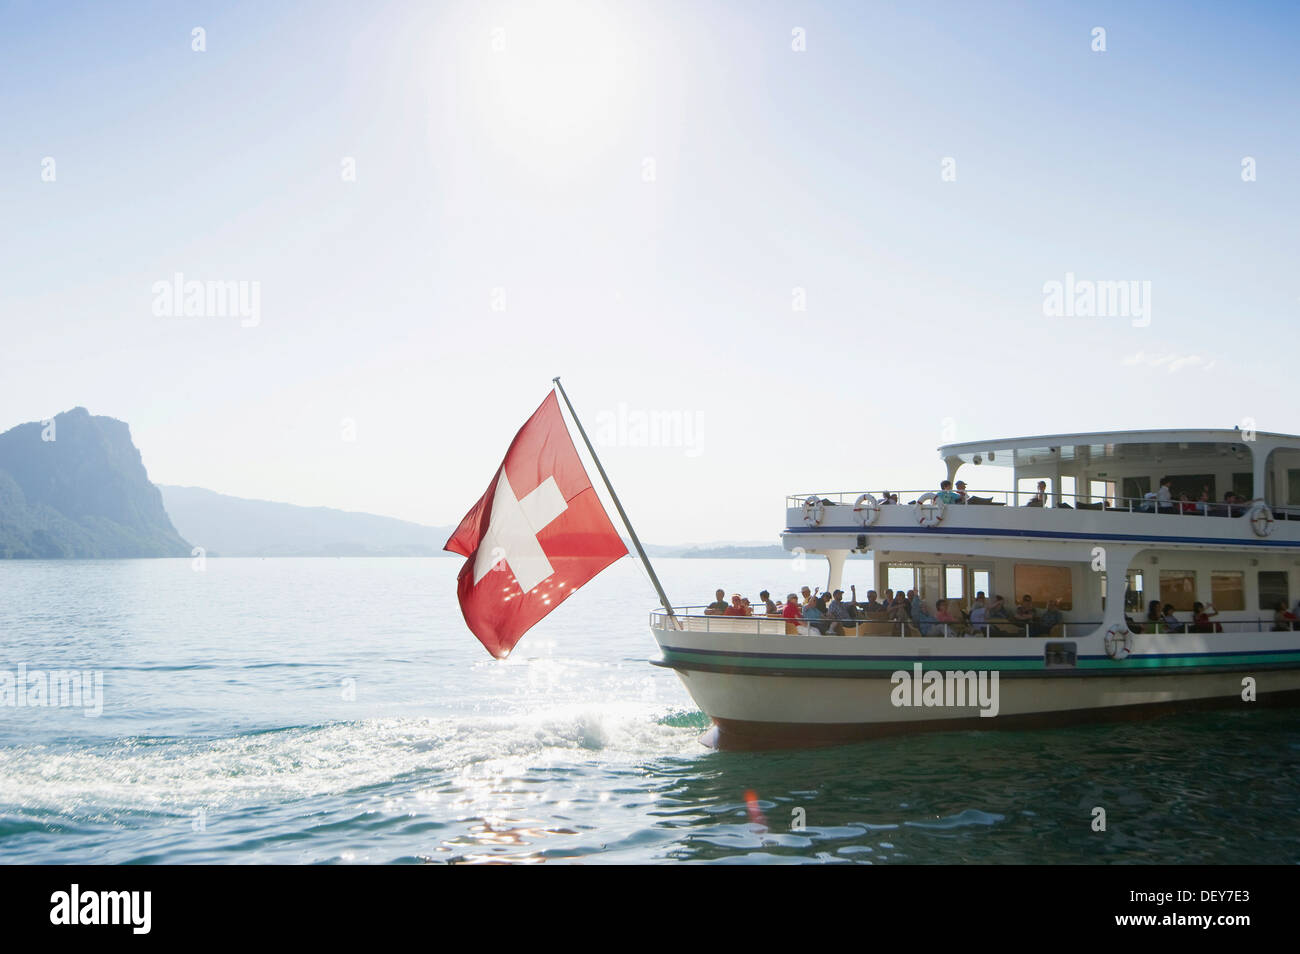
{"x": 1164, "y": 615}
{"x": 1162, "y": 501}
{"x": 829, "y": 613}
{"x": 1157, "y": 501}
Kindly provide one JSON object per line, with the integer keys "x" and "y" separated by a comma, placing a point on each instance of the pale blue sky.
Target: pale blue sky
{"x": 521, "y": 168}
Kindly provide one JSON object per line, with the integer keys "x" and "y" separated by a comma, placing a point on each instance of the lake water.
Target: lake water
{"x": 339, "y": 711}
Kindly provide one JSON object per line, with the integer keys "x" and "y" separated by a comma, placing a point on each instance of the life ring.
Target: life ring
{"x": 813, "y": 511}
{"x": 930, "y": 510}
{"x": 866, "y": 508}
{"x": 1261, "y": 519}
{"x": 1119, "y": 642}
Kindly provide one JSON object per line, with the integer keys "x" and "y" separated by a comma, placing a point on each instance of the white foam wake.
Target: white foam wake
{"x": 176, "y": 775}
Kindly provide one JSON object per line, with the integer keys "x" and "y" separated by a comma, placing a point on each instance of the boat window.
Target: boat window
{"x": 1293, "y": 486}
{"x": 1192, "y": 485}
{"x": 1135, "y": 488}
{"x": 1228, "y": 590}
{"x": 1273, "y": 589}
{"x": 1243, "y": 485}
{"x": 928, "y": 577}
{"x": 1102, "y": 490}
{"x": 954, "y": 583}
{"x": 1044, "y": 583}
{"x": 1060, "y": 654}
{"x": 980, "y": 582}
{"x": 1133, "y": 596}
{"x": 900, "y": 579}
{"x": 1178, "y": 588}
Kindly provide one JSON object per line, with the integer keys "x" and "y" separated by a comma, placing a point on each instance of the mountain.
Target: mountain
{"x": 235, "y": 526}
{"x": 78, "y": 488}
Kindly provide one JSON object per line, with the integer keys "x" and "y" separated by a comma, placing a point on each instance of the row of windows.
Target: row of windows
{"x": 1227, "y": 589}
{"x": 1043, "y": 583}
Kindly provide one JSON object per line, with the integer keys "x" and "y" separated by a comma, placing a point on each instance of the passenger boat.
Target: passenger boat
{"x": 1102, "y": 542}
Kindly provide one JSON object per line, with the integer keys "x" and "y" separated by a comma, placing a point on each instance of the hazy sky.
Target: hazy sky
{"x": 641, "y": 197}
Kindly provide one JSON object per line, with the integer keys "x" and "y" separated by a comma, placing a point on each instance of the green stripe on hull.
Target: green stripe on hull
{"x": 968, "y": 665}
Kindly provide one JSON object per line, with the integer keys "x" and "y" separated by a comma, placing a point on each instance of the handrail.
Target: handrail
{"x": 659, "y": 619}
{"x": 1086, "y": 502}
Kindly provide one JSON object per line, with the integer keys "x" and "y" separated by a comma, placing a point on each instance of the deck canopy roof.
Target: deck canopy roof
{"x": 1080, "y": 450}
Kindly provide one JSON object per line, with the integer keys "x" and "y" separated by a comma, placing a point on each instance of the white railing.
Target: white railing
{"x": 1055, "y": 501}
{"x": 693, "y": 619}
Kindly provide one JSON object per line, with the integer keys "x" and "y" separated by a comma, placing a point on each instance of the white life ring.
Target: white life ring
{"x": 1261, "y": 519}
{"x": 813, "y": 511}
{"x": 930, "y": 510}
{"x": 866, "y": 508}
{"x": 1119, "y": 642}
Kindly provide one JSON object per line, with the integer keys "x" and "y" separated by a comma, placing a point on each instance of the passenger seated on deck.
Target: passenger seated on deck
{"x": 1283, "y": 619}
{"x": 961, "y": 491}
{"x": 719, "y": 605}
{"x": 872, "y": 607}
{"x": 793, "y": 614}
{"x": 815, "y": 614}
{"x": 737, "y": 608}
{"x": 1170, "y": 620}
{"x": 807, "y": 596}
{"x": 1153, "y": 612}
{"x": 769, "y": 604}
{"x": 841, "y": 612}
{"x": 1201, "y": 622}
{"x": 979, "y": 614}
{"x": 946, "y": 494}
{"x": 922, "y": 620}
{"x": 1040, "y": 498}
{"x": 1185, "y": 505}
{"x": 1051, "y": 617}
{"x": 943, "y": 617}
{"x": 898, "y": 609}
{"x": 1025, "y": 611}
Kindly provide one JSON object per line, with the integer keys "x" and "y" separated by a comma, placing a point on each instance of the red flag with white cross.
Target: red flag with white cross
{"x": 538, "y": 534}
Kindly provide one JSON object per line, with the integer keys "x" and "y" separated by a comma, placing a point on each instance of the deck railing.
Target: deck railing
{"x": 694, "y": 618}
{"x": 1055, "y": 501}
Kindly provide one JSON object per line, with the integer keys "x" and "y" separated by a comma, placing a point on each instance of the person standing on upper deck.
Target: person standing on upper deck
{"x": 1039, "y": 499}
{"x": 1165, "y": 496}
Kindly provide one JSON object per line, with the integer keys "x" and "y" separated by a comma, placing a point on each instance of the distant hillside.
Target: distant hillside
{"x": 83, "y": 494}
{"x": 235, "y": 526}
{"x": 762, "y": 551}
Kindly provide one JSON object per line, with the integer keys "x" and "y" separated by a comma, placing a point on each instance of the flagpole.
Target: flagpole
{"x": 636, "y": 542}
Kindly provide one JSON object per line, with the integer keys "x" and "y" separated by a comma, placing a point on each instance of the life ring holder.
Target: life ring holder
{"x": 1119, "y": 643}
{"x": 930, "y": 510}
{"x": 866, "y": 509}
{"x": 813, "y": 511}
{"x": 1261, "y": 519}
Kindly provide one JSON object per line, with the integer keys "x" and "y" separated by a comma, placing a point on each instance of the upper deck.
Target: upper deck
{"x": 1222, "y": 488}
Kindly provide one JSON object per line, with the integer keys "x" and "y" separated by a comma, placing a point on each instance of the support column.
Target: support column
{"x": 835, "y": 576}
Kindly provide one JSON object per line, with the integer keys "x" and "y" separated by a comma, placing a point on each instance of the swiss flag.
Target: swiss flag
{"x": 538, "y": 534}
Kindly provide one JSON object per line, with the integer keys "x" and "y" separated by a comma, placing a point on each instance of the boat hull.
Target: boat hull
{"x": 831, "y": 690}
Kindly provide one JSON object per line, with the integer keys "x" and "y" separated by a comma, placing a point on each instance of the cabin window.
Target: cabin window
{"x": 980, "y": 582}
{"x": 1293, "y": 486}
{"x": 1243, "y": 485}
{"x": 1178, "y": 588}
{"x": 1273, "y": 589}
{"x": 1057, "y": 655}
{"x": 1043, "y": 583}
{"x": 1102, "y": 491}
{"x": 1134, "y": 598}
{"x": 900, "y": 579}
{"x": 1135, "y": 488}
{"x": 1228, "y": 590}
{"x": 954, "y": 583}
{"x": 1192, "y": 485}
